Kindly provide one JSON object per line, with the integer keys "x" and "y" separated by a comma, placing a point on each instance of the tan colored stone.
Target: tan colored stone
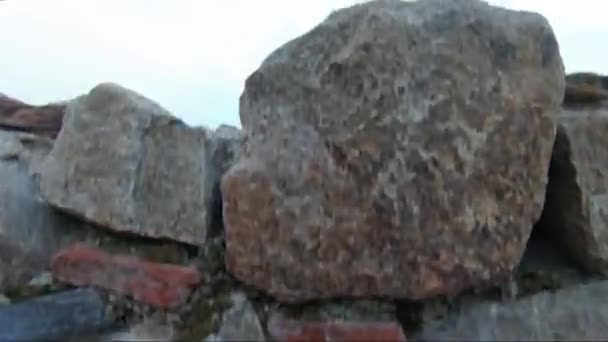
{"x": 125, "y": 163}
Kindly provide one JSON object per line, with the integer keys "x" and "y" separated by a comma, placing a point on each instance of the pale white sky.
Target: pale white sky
{"x": 192, "y": 56}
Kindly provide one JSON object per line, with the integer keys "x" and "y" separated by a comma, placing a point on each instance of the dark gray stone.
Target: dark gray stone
{"x": 30, "y": 230}
{"x": 576, "y": 210}
{"x": 54, "y": 316}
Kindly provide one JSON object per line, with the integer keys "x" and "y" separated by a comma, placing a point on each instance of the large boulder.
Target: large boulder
{"x": 125, "y": 163}
{"x": 576, "y": 211}
{"x": 397, "y": 149}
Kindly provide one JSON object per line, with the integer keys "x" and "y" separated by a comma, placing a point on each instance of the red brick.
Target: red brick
{"x": 161, "y": 285}
{"x": 287, "y": 330}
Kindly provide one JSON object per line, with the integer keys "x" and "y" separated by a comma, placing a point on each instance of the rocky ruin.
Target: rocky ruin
{"x": 416, "y": 171}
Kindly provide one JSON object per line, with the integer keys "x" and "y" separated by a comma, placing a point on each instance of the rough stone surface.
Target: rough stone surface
{"x": 30, "y": 230}
{"x": 282, "y": 329}
{"x": 125, "y": 163}
{"x": 239, "y": 323}
{"x": 54, "y": 316}
{"x": 397, "y": 149}
{"x": 41, "y": 120}
{"x": 160, "y": 285}
{"x": 575, "y": 314}
{"x": 225, "y": 147}
{"x": 577, "y": 196}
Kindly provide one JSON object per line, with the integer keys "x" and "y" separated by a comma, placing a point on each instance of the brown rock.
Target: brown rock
{"x": 397, "y": 149}
{"x": 41, "y": 120}
{"x": 160, "y": 285}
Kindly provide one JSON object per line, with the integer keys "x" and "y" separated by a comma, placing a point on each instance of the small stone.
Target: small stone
{"x": 239, "y": 323}
{"x": 148, "y": 330}
{"x": 43, "y": 279}
{"x": 54, "y": 316}
{"x": 287, "y": 330}
{"x": 156, "y": 284}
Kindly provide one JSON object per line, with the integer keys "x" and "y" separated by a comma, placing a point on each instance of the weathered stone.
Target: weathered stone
{"x": 225, "y": 147}
{"x": 574, "y": 314}
{"x": 397, "y": 149}
{"x": 54, "y": 316}
{"x": 160, "y": 285}
{"x": 281, "y": 329}
{"x": 41, "y": 120}
{"x": 125, "y": 163}
{"x": 239, "y": 323}
{"x": 30, "y": 230}
{"x": 577, "y": 195}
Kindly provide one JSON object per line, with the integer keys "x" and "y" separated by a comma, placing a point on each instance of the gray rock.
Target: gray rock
{"x": 54, "y": 316}
{"x": 239, "y": 323}
{"x": 577, "y": 313}
{"x": 125, "y": 163}
{"x": 225, "y": 147}
{"x": 397, "y": 149}
{"x": 577, "y": 196}
{"x": 30, "y": 230}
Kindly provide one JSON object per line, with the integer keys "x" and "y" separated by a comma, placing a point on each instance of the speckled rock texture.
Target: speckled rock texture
{"x": 577, "y": 196}
{"x": 579, "y": 313}
{"x": 397, "y": 149}
{"x": 125, "y": 163}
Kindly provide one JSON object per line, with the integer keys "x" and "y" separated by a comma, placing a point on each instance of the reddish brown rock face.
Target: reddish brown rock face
{"x": 287, "y": 330}
{"x": 42, "y": 120}
{"x": 156, "y": 284}
{"x": 398, "y": 149}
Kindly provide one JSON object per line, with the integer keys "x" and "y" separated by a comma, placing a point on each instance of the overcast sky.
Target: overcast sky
{"x": 192, "y": 56}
